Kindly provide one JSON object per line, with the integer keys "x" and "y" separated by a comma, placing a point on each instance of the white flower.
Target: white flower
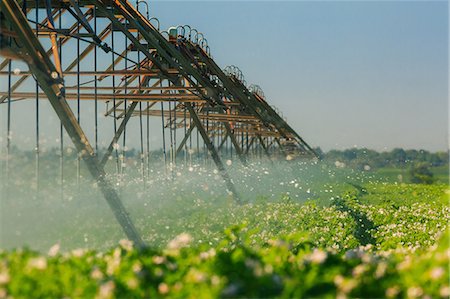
{"x": 4, "y": 278}
{"x": 137, "y": 267}
{"x": 39, "y": 263}
{"x": 126, "y": 244}
{"x": 163, "y": 288}
{"x": 132, "y": 283}
{"x": 338, "y": 280}
{"x": 392, "y": 291}
{"x": 113, "y": 262}
{"x": 79, "y": 252}
{"x": 318, "y": 256}
{"x": 97, "y": 274}
{"x": 444, "y": 291}
{"x": 414, "y": 292}
{"x": 106, "y": 290}
{"x": 207, "y": 254}
{"x": 436, "y": 273}
{"x": 180, "y": 241}
{"x": 158, "y": 260}
{"x": 381, "y": 269}
{"x": 358, "y": 270}
{"x": 54, "y": 250}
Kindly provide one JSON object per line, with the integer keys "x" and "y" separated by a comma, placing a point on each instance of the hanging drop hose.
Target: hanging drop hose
{"x": 78, "y": 102}
{"x": 142, "y": 141}
{"x": 198, "y": 139}
{"x": 185, "y": 132}
{"x": 95, "y": 89}
{"x": 8, "y": 128}
{"x": 171, "y": 135}
{"x": 114, "y": 102}
{"x": 148, "y": 140}
{"x": 61, "y": 128}
{"x": 163, "y": 131}
{"x": 37, "y": 154}
{"x": 140, "y": 110}
{"x": 190, "y": 141}
{"x": 125, "y": 111}
{"x": 175, "y": 133}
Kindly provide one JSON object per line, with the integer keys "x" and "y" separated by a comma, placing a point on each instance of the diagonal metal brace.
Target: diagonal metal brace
{"x": 186, "y": 137}
{"x": 266, "y": 151}
{"x": 80, "y": 17}
{"x": 118, "y": 133}
{"x": 212, "y": 150}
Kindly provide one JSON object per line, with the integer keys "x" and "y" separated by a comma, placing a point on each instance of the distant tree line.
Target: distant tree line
{"x": 357, "y": 158}
{"x": 363, "y": 158}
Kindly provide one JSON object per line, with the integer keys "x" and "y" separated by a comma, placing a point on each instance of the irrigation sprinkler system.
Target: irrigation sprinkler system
{"x": 109, "y": 51}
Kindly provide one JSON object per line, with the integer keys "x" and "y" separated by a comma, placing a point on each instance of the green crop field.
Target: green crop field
{"x": 306, "y": 230}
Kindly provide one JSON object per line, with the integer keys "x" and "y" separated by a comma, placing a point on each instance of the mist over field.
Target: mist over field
{"x": 41, "y": 213}
{"x": 165, "y": 200}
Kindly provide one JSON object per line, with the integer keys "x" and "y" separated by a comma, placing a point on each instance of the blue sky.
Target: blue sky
{"x": 344, "y": 73}
{"x": 371, "y": 74}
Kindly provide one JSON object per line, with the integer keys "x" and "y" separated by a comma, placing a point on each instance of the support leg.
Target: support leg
{"x": 212, "y": 150}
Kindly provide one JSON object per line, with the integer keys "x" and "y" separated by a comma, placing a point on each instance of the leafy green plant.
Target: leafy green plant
{"x": 421, "y": 174}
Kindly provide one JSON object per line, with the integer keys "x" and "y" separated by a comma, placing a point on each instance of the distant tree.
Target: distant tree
{"x": 350, "y": 154}
{"x": 443, "y": 157}
{"x": 412, "y": 156}
{"x": 398, "y": 156}
{"x": 421, "y": 174}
